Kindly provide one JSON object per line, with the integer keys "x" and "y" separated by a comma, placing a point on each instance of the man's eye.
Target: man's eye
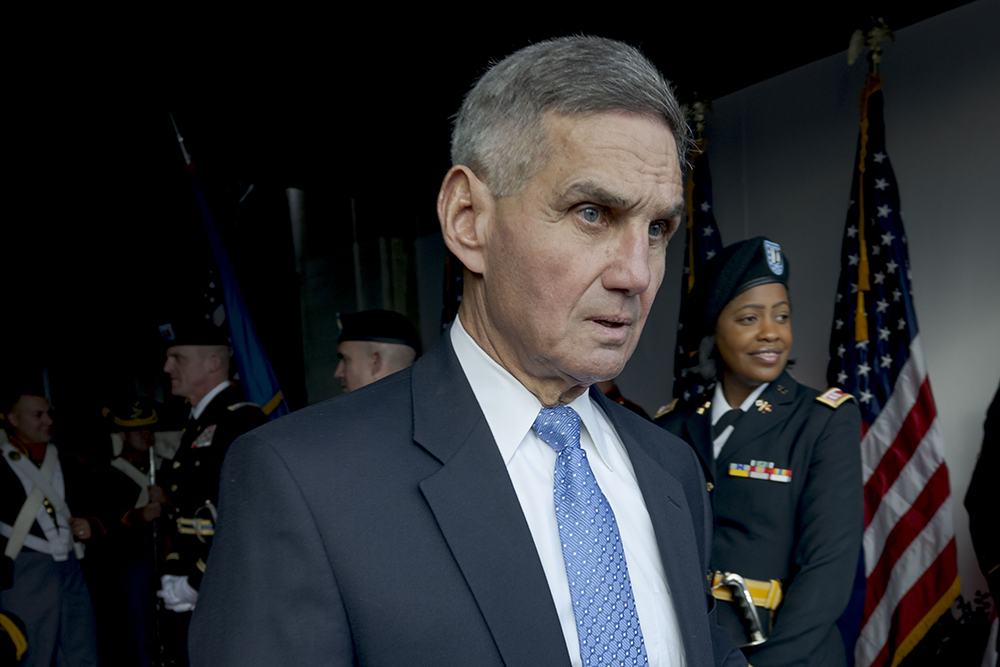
{"x": 591, "y": 214}
{"x": 657, "y": 230}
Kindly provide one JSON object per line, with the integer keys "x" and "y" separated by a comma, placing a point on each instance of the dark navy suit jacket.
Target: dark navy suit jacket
{"x": 381, "y": 528}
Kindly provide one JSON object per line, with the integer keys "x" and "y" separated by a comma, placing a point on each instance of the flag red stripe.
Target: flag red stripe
{"x": 903, "y": 533}
{"x": 922, "y": 596}
{"x": 917, "y": 422}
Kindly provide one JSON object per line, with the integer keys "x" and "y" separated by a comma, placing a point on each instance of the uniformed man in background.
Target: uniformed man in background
{"x": 372, "y": 345}
{"x": 198, "y": 363}
{"x": 40, "y": 577}
{"x": 122, "y": 557}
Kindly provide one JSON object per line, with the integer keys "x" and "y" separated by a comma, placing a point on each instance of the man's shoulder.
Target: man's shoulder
{"x": 368, "y": 412}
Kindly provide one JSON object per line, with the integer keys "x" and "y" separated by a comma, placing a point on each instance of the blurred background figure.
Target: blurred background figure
{"x": 121, "y": 565}
{"x": 198, "y": 363}
{"x": 40, "y": 577}
{"x": 374, "y": 344}
{"x": 981, "y": 503}
{"x": 782, "y": 461}
{"x": 611, "y": 390}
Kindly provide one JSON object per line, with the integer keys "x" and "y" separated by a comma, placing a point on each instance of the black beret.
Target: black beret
{"x": 380, "y": 326}
{"x": 194, "y": 331}
{"x": 132, "y": 415}
{"x": 737, "y": 268}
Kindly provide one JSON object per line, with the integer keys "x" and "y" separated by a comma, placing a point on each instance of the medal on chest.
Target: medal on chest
{"x": 205, "y": 439}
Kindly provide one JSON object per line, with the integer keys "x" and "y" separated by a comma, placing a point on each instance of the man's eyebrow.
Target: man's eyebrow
{"x": 597, "y": 194}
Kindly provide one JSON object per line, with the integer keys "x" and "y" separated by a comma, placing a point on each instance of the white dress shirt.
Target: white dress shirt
{"x": 720, "y": 406}
{"x": 203, "y": 403}
{"x": 510, "y": 410}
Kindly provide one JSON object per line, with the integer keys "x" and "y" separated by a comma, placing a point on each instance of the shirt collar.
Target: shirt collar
{"x": 720, "y": 406}
{"x": 207, "y": 398}
{"x": 510, "y": 409}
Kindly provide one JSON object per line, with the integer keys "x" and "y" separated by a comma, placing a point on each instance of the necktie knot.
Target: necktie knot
{"x": 558, "y": 427}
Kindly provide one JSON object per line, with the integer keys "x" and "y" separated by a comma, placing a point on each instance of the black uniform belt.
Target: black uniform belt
{"x": 765, "y": 594}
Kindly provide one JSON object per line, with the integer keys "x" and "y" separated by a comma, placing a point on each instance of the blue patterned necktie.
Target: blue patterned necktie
{"x": 606, "y": 621}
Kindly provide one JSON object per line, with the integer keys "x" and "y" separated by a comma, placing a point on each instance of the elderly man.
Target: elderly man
{"x": 489, "y": 507}
{"x": 198, "y": 366}
{"x": 40, "y": 576}
{"x": 372, "y": 345}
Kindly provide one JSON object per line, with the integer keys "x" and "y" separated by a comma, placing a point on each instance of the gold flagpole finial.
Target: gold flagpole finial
{"x": 695, "y": 114}
{"x": 873, "y": 39}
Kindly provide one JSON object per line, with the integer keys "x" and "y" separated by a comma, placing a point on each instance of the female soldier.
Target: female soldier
{"x": 782, "y": 462}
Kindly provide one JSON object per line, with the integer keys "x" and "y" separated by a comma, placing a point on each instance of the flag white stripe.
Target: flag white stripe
{"x": 919, "y": 556}
{"x": 904, "y": 491}
{"x": 882, "y": 433}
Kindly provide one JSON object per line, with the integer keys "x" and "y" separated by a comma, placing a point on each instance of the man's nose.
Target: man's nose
{"x": 629, "y": 267}
{"x": 339, "y": 373}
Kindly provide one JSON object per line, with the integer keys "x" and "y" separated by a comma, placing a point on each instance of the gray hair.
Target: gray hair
{"x": 498, "y": 131}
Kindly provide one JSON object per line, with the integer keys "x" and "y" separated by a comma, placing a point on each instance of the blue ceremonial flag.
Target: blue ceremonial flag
{"x": 703, "y": 242}
{"x": 910, "y": 563}
{"x": 260, "y": 384}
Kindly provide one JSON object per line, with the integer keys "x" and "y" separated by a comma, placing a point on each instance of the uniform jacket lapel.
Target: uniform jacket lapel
{"x": 480, "y": 516}
{"x": 758, "y": 423}
{"x": 699, "y": 435}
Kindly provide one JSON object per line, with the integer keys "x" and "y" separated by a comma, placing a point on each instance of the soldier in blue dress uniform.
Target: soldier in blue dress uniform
{"x": 782, "y": 463}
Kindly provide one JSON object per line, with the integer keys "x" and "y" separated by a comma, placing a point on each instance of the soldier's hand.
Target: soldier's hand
{"x": 151, "y": 512}
{"x": 80, "y": 528}
{"x": 156, "y": 495}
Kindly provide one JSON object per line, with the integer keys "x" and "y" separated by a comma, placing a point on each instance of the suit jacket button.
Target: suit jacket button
{"x": 173, "y": 487}
{"x": 197, "y": 463}
{"x": 177, "y": 464}
{"x": 709, "y": 486}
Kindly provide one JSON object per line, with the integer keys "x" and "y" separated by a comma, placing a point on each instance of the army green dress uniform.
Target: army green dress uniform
{"x": 786, "y": 487}
{"x": 191, "y": 480}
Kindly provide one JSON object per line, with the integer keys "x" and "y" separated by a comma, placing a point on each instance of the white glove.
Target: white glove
{"x": 177, "y": 593}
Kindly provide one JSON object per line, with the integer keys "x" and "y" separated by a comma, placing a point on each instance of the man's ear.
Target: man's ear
{"x": 375, "y": 363}
{"x": 465, "y": 207}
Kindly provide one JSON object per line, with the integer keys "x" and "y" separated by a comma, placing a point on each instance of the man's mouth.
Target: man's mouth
{"x": 613, "y": 322}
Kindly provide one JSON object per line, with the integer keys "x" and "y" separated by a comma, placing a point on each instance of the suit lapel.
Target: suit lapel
{"x": 757, "y": 423}
{"x": 479, "y": 514}
{"x": 671, "y": 517}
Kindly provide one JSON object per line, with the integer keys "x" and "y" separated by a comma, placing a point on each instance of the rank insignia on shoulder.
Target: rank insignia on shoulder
{"x": 205, "y": 439}
{"x": 760, "y": 470}
{"x": 236, "y": 406}
{"x": 834, "y": 398}
{"x": 666, "y": 409}
{"x": 705, "y": 406}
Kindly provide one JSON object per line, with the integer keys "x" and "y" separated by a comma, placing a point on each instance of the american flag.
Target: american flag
{"x": 876, "y": 354}
{"x": 703, "y": 242}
